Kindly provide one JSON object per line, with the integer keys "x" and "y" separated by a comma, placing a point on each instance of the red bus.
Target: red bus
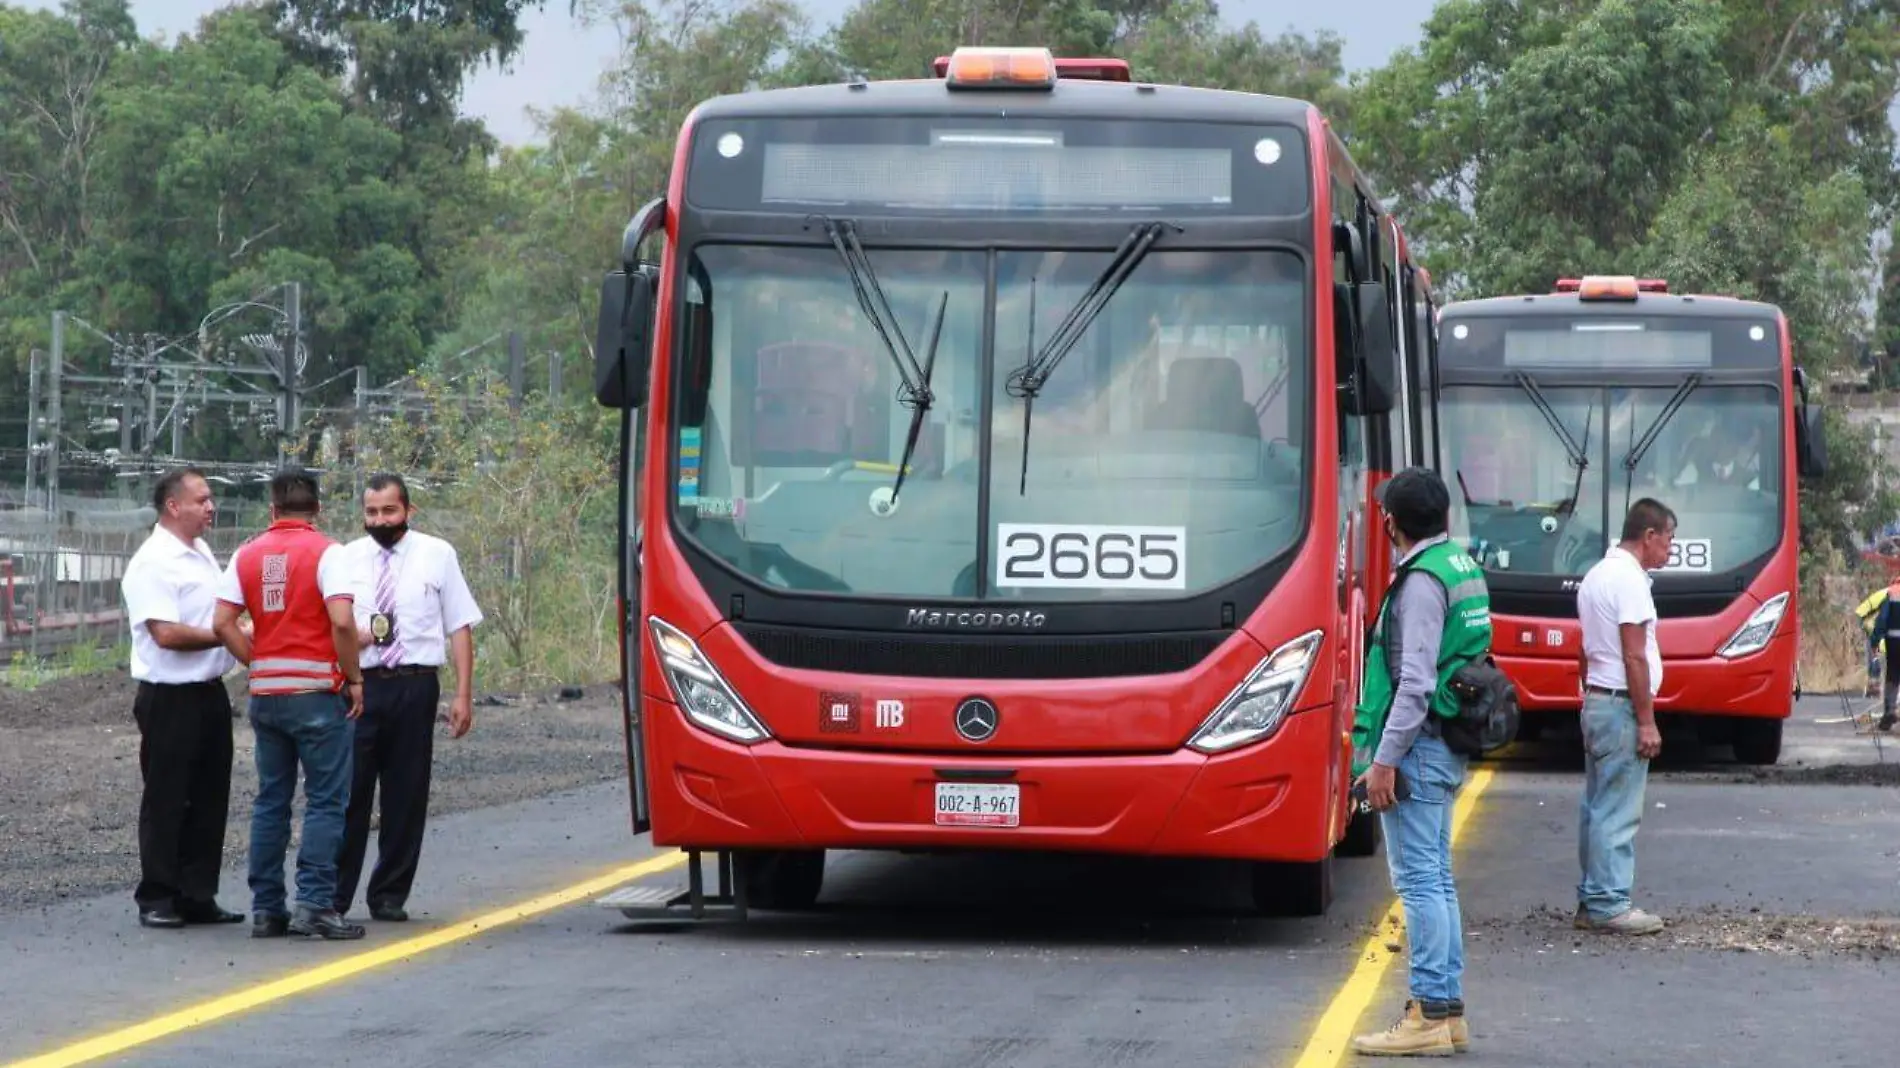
{"x": 998, "y": 449}
{"x": 1561, "y": 409}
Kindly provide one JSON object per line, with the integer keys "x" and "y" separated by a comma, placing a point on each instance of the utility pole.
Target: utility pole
{"x": 360, "y": 429}
{"x": 554, "y": 379}
{"x": 287, "y": 414}
{"x": 517, "y": 370}
{"x": 54, "y": 367}
{"x": 34, "y": 360}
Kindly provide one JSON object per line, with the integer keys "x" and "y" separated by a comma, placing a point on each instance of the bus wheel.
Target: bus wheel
{"x": 1362, "y": 835}
{"x": 1293, "y": 889}
{"x": 1757, "y": 741}
{"x": 787, "y": 880}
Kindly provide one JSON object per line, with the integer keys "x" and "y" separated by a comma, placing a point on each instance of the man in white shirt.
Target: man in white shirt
{"x": 182, "y": 709}
{"x": 414, "y": 612}
{"x": 1620, "y": 671}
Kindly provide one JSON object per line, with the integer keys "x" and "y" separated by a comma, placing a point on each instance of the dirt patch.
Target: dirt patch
{"x": 69, "y": 777}
{"x": 1715, "y": 929}
{"x": 1822, "y": 774}
{"x": 75, "y": 701}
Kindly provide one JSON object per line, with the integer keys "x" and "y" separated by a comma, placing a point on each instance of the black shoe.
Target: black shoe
{"x": 1887, "y": 721}
{"x": 388, "y": 913}
{"x": 312, "y": 923}
{"x": 270, "y": 925}
{"x": 206, "y": 912}
{"x": 162, "y": 916}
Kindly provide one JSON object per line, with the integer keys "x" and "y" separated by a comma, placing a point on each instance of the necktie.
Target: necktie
{"x": 392, "y": 654}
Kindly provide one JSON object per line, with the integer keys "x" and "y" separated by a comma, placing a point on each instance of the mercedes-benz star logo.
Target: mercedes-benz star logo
{"x": 976, "y": 719}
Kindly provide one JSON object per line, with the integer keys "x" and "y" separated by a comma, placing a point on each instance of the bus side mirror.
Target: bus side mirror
{"x": 1810, "y": 443}
{"x": 622, "y": 339}
{"x": 1376, "y": 367}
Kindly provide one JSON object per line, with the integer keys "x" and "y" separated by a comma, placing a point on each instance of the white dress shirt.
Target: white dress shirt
{"x": 170, "y": 580}
{"x": 432, "y": 598}
{"x": 1617, "y": 591}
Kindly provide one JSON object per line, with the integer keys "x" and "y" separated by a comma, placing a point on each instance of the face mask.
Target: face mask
{"x": 387, "y": 536}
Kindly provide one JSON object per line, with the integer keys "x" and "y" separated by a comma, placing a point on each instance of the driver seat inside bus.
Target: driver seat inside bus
{"x": 1206, "y": 393}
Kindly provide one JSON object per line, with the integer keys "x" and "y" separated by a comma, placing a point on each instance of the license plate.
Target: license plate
{"x": 969, "y": 804}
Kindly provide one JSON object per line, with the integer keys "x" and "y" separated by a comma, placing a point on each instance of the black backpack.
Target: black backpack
{"x": 1487, "y": 709}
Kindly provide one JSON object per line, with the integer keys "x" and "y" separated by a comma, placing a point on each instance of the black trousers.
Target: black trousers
{"x": 185, "y": 762}
{"x": 395, "y": 748}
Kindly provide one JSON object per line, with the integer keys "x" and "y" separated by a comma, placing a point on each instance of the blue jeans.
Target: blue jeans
{"x": 314, "y": 730}
{"x": 1613, "y": 780}
{"x": 1418, "y": 850}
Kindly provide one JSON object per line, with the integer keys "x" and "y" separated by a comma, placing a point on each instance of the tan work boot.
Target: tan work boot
{"x": 1460, "y": 1034}
{"x": 1412, "y": 1036}
{"x": 1632, "y": 921}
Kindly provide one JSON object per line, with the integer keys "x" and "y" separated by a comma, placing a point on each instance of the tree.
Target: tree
{"x": 1729, "y": 147}
{"x": 53, "y": 68}
{"x": 227, "y": 166}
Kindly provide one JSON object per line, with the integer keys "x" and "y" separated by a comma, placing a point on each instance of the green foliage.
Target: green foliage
{"x": 526, "y": 495}
{"x": 1728, "y": 146}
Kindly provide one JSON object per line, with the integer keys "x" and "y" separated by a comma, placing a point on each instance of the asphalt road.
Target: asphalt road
{"x": 1784, "y": 948}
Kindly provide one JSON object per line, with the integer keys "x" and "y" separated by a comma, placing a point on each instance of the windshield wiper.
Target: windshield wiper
{"x": 1572, "y": 451}
{"x": 914, "y": 377}
{"x": 844, "y": 238}
{"x": 1027, "y": 381}
{"x": 918, "y": 399}
{"x": 1641, "y": 447}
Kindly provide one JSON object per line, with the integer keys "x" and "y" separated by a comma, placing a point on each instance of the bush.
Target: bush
{"x": 526, "y": 494}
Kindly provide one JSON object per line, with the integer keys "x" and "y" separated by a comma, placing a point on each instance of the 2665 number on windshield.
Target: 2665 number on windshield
{"x": 1082, "y": 556}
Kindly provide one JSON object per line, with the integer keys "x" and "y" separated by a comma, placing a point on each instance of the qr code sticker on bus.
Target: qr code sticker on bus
{"x": 277, "y": 568}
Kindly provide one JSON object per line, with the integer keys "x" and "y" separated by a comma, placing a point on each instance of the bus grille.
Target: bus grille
{"x": 1670, "y": 604}
{"x": 987, "y": 657}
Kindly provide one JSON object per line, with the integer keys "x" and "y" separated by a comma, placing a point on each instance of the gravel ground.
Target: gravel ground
{"x": 69, "y": 776}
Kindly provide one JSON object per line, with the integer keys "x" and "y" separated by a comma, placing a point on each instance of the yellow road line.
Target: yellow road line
{"x": 343, "y": 968}
{"x": 1328, "y": 1044}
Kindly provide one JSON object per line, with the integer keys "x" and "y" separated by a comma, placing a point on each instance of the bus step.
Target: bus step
{"x": 649, "y": 902}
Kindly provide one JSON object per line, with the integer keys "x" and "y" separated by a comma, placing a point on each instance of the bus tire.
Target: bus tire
{"x": 1757, "y": 741}
{"x": 1362, "y": 835}
{"x": 786, "y": 880}
{"x": 1282, "y": 888}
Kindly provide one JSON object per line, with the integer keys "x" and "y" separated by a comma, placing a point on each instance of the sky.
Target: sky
{"x": 562, "y": 58}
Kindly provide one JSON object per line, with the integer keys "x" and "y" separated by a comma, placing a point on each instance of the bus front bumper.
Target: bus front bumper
{"x": 1270, "y": 801}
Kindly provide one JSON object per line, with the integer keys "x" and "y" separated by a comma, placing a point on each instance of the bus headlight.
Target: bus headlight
{"x": 701, "y": 691}
{"x": 1257, "y": 706}
{"x": 1754, "y": 634}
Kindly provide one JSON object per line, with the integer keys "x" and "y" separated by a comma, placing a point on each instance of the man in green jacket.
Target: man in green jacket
{"x": 1435, "y": 619}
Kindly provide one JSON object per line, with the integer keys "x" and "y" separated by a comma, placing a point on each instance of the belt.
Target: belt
{"x": 1606, "y": 691}
{"x": 400, "y": 669}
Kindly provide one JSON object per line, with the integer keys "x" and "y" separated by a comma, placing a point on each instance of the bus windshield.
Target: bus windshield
{"x": 1166, "y": 448}
{"x": 1522, "y": 504}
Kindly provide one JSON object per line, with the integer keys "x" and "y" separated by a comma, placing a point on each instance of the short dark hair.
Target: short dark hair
{"x": 1417, "y": 501}
{"x": 170, "y": 485}
{"x": 382, "y": 480}
{"x": 1646, "y": 515}
{"x": 293, "y": 491}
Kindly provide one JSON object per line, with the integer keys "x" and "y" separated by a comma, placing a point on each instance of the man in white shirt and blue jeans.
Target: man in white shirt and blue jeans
{"x": 1620, "y": 668}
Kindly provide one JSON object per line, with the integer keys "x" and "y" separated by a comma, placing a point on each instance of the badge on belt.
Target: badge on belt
{"x": 382, "y": 627}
